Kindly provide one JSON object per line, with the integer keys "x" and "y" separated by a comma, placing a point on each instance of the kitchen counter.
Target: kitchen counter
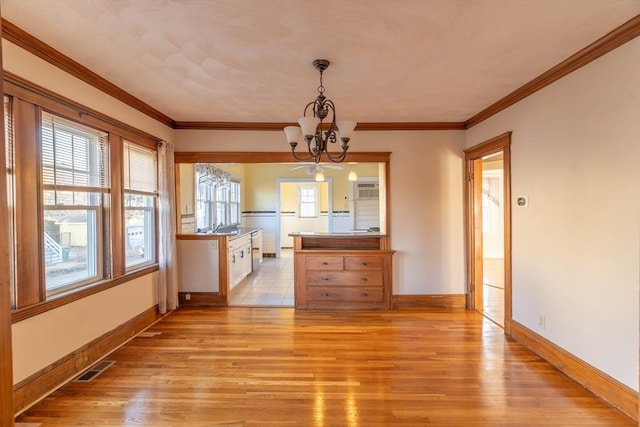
{"x": 232, "y": 235}
{"x": 326, "y": 235}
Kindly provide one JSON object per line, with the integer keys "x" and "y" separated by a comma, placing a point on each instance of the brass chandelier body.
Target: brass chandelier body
{"x": 312, "y": 127}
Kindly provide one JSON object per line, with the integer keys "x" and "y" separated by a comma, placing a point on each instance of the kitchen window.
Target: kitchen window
{"x": 217, "y": 198}
{"x": 308, "y": 202}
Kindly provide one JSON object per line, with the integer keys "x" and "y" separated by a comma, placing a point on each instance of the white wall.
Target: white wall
{"x": 575, "y": 154}
{"x": 427, "y": 227}
{"x": 41, "y": 340}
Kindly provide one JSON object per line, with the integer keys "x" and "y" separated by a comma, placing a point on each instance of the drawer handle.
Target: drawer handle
{"x": 364, "y": 279}
{"x": 364, "y": 264}
{"x": 325, "y": 279}
{"x": 325, "y": 294}
{"x": 324, "y": 263}
{"x": 364, "y": 294}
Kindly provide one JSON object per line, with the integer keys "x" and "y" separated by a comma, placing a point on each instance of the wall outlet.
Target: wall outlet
{"x": 187, "y": 297}
{"x": 542, "y": 321}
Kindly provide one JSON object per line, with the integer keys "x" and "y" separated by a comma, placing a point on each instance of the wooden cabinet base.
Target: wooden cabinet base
{"x": 349, "y": 278}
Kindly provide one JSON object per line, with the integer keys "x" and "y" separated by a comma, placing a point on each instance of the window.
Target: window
{"x": 75, "y": 182}
{"x": 308, "y": 202}
{"x": 8, "y": 138}
{"x": 217, "y": 198}
{"x": 234, "y": 202}
{"x": 140, "y": 194}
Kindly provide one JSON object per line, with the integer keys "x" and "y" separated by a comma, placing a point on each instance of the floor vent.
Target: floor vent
{"x": 94, "y": 371}
{"x": 148, "y": 334}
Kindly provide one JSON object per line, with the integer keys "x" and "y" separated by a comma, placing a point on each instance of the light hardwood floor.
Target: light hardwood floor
{"x": 281, "y": 367}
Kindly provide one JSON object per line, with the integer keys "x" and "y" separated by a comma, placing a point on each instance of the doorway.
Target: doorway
{"x": 489, "y": 229}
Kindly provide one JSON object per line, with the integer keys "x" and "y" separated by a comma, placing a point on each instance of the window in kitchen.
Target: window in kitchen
{"x": 217, "y": 198}
{"x": 308, "y": 202}
{"x": 75, "y": 182}
{"x": 140, "y": 200}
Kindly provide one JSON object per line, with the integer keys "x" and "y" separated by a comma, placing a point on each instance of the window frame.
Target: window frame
{"x": 28, "y": 101}
{"x": 149, "y": 212}
{"x": 95, "y": 253}
{"x": 302, "y": 203}
{"x": 215, "y": 200}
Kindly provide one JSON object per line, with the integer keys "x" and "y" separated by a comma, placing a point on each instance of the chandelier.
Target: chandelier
{"x": 312, "y": 127}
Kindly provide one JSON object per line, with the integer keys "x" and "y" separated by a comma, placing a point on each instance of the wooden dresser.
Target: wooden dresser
{"x": 342, "y": 271}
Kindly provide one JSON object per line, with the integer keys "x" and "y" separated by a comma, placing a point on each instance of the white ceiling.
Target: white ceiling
{"x": 250, "y": 60}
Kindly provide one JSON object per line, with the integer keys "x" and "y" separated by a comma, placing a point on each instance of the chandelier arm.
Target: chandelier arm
{"x": 339, "y": 158}
{"x": 300, "y": 159}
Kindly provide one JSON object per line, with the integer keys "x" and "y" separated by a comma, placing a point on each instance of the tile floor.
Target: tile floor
{"x": 271, "y": 284}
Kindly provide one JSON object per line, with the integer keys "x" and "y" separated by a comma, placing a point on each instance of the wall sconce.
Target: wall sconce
{"x": 353, "y": 176}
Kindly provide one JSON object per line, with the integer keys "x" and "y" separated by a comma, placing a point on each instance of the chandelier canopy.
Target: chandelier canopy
{"x": 312, "y": 127}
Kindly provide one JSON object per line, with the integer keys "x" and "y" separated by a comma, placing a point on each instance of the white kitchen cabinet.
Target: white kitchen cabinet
{"x": 239, "y": 259}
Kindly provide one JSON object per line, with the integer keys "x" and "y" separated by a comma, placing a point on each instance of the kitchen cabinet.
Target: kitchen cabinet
{"x": 199, "y": 267}
{"x": 239, "y": 259}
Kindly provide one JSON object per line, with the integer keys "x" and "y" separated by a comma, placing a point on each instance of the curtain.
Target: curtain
{"x": 167, "y": 254}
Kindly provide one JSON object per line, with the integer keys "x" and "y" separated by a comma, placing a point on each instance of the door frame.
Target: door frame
{"x": 473, "y": 220}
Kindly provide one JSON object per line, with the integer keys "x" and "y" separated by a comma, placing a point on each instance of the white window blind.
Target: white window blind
{"x": 140, "y": 169}
{"x": 74, "y": 157}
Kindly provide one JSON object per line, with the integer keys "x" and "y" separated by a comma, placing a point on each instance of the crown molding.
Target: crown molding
{"x": 616, "y": 38}
{"x": 21, "y": 38}
{"x": 278, "y": 126}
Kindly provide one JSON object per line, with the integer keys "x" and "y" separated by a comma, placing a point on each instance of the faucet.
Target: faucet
{"x": 216, "y": 228}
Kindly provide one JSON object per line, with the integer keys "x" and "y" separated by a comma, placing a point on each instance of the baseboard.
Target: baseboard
{"x": 602, "y": 385}
{"x": 202, "y": 298}
{"x": 35, "y": 387}
{"x": 429, "y": 301}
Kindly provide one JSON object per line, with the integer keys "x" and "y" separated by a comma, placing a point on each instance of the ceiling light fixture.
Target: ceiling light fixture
{"x": 312, "y": 127}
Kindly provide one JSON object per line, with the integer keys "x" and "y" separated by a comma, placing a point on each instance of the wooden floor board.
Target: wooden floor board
{"x": 281, "y": 367}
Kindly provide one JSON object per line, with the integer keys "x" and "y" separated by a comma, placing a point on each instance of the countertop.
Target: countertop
{"x": 232, "y": 234}
{"x": 336, "y": 235}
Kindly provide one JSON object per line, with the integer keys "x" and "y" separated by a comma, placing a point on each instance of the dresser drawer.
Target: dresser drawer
{"x": 324, "y": 263}
{"x": 344, "y": 278}
{"x": 346, "y": 294}
{"x": 363, "y": 263}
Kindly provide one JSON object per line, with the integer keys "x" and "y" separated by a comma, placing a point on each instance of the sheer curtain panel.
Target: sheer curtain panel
{"x": 167, "y": 277}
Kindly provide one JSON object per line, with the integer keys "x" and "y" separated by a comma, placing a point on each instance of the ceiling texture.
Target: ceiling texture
{"x": 250, "y": 60}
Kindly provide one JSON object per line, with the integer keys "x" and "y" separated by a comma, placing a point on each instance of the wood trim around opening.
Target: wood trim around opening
{"x": 499, "y": 143}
